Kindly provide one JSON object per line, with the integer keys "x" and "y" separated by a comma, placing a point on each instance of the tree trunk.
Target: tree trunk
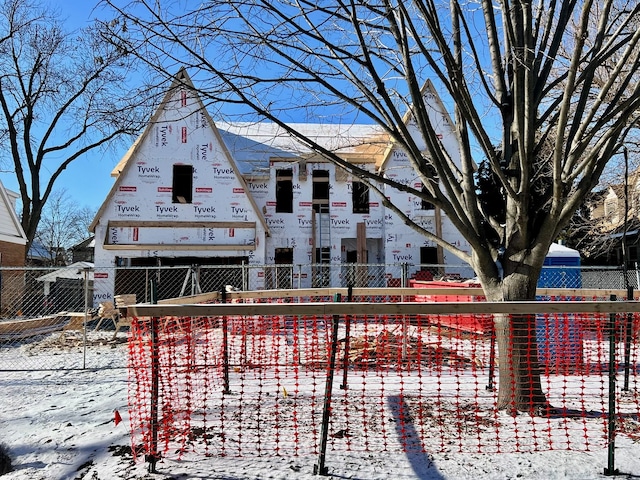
{"x": 520, "y": 388}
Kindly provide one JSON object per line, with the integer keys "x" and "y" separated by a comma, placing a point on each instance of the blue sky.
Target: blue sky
{"x": 87, "y": 180}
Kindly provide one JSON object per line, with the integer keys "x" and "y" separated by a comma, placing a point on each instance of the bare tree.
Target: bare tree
{"x": 63, "y": 223}
{"x": 63, "y": 95}
{"x": 516, "y": 76}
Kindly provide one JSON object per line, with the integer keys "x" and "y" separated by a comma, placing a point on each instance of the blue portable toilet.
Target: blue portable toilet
{"x": 560, "y": 337}
{"x": 553, "y": 275}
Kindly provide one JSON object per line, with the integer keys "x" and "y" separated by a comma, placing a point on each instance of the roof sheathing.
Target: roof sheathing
{"x": 255, "y": 145}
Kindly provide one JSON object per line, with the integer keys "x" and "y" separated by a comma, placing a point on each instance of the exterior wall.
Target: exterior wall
{"x": 13, "y": 282}
{"x": 12, "y": 254}
{"x": 389, "y": 239}
{"x": 402, "y": 244}
{"x": 294, "y": 230}
{"x": 12, "y": 238}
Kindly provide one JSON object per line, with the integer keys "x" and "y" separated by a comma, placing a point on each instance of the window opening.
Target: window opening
{"x": 182, "y": 186}
{"x": 360, "y": 197}
{"x": 320, "y": 191}
{"x": 284, "y": 191}
{"x": 429, "y": 255}
{"x": 426, "y": 205}
{"x": 284, "y": 268}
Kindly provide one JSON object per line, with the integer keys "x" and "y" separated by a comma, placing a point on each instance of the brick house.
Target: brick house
{"x": 13, "y": 244}
{"x": 13, "y": 241}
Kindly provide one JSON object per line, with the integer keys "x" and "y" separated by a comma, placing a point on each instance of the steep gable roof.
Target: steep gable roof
{"x": 436, "y": 105}
{"x": 181, "y": 80}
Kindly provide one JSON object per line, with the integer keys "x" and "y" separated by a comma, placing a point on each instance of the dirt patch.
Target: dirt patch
{"x": 121, "y": 451}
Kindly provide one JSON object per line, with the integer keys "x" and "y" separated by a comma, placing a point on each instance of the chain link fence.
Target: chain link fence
{"x": 34, "y": 292}
{"x": 69, "y": 312}
{"x": 174, "y": 282}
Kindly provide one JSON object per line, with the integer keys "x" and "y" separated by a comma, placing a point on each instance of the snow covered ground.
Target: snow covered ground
{"x": 59, "y": 424}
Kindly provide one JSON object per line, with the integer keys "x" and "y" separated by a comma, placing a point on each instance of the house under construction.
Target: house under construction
{"x": 193, "y": 191}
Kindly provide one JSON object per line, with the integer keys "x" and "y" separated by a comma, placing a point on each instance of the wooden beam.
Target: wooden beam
{"x": 166, "y": 224}
{"x": 175, "y": 247}
{"x": 361, "y": 242}
{"x": 367, "y": 308}
{"x": 439, "y": 250}
{"x": 399, "y": 292}
{"x": 314, "y": 232}
{"x": 199, "y": 298}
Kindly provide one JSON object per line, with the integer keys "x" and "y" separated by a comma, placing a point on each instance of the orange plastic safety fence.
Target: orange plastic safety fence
{"x": 403, "y": 383}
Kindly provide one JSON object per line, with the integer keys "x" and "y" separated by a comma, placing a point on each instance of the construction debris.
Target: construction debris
{"x": 366, "y": 351}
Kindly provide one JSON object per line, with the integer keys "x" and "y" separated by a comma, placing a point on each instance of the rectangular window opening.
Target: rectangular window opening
{"x": 284, "y": 273}
{"x": 182, "y": 186}
{"x": 284, "y": 191}
{"x": 320, "y": 191}
{"x": 360, "y": 197}
{"x": 426, "y": 205}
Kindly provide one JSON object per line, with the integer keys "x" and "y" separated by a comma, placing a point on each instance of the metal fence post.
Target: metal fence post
{"x": 405, "y": 275}
{"x": 492, "y": 357}
{"x": 245, "y": 277}
{"x": 225, "y": 346}
{"x": 627, "y": 342}
{"x": 319, "y": 468}
{"x": 611, "y": 420}
{"x": 347, "y": 331}
{"x": 154, "y": 455}
{"x": 146, "y": 285}
{"x": 84, "y": 321}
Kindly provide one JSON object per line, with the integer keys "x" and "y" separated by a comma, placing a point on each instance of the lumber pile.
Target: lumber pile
{"x": 24, "y": 328}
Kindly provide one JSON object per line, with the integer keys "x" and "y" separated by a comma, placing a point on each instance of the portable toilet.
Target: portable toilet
{"x": 553, "y": 274}
{"x": 560, "y": 336}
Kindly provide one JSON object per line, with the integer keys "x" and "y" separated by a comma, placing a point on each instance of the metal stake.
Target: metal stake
{"x": 347, "y": 328}
{"x": 319, "y": 468}
{"x": 225, "y": 346}
{"x": 611, "y": 421}
{"x": 153, "y": 455}
{"x": 627, "y": 342}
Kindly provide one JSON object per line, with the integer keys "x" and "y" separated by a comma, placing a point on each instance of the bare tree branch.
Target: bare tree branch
{"x": 63, "y": 95}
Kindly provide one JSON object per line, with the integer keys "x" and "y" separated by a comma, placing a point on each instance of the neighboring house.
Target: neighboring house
{"x": 65, "y": 289}
{"x": 83, "y": 251}
{"x": 13, "y": 241}
{"x": 190, "y": 191}
{"x": 13, "y": 244}
{"x": 608, "y": 226}
{"x": 40, "y": 255}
